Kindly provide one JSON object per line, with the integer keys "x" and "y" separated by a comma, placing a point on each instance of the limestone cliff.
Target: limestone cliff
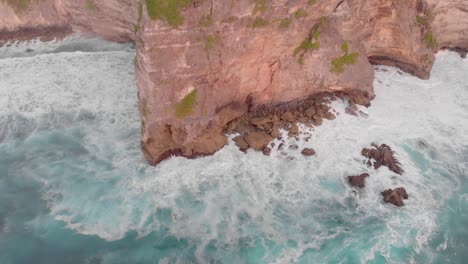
{"x": 203, "y": 63}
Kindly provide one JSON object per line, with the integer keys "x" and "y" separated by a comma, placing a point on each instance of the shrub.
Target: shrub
{"x": 430, "y": 40}
{"x": 168, "y": 11}
{"x": 90, "y": 5}
{"x": 259, "y": 22}
{"x": 345, "y": 47}
{"x": 338, "y": 64}
{"x": 300, "y": 13}
{"x": 185, "y": 107}
{"x": 311, "y": 2}
{"x": 206, "y": 20}
{"x": 260, "y": 6}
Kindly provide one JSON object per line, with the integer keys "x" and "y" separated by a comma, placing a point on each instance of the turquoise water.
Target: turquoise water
{"x": 74, "y": 187}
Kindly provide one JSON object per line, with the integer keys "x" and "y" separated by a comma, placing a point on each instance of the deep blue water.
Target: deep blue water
{"x": 74, "y": 187}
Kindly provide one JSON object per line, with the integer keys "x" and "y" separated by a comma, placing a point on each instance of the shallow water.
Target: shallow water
{"x": 74, "y": 187}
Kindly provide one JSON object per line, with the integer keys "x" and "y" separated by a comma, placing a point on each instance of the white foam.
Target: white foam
{"x": 229, "y": 196}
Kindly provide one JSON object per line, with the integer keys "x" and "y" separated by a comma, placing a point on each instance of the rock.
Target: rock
{"x": 293, "y": 130}
{"x": 241, "y": 143}
{"x": 310, "y": 112}
{"x": 382, "y": 155}
{"x": 329, "y": 116}
{"x": 288, "y": 116}
{"x": 258, "y": 140}
{"x": 358, "y": 181}
{"x": 266, "y": 151}
{"x": 308, "y": 152}
{"x": 395, "y": 196}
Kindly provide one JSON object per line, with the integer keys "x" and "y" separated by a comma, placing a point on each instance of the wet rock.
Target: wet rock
{"x": 329, "y": 116}
{"x": 266, "y": 151}
{"x": 395, "y": 196}
{"x": 293, "y": 130}
{"x": 358, "y": 181}
{"x": 241, "y": 143}
{"x": 382, "y": 155}
{"x": 258, "y": 140}
{"x": 308, "y": 152}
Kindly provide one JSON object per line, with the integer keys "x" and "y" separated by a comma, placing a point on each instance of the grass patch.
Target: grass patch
{"x": 338, "y": 64}
{"x": 305, "y": 46}
{"x": 421, "y": 20}
{"x": 285, "y": 23}
{"x": 258, "y": 22}
{"x": 311, "y": 2}
{"x": 430, "y": 40}
{"x": 144, "y": 107}
{"x": 211, "y": 42}
{"x": 167, "y": 10}
{"x": 345, "y": 47}
{"x": 300, "y": 13}
{"x": 18, "y": 5}
{"x": 260, "y": 6}
{"x": 90, "y": 5}
{"x": 185, "y": 107}
{"x": 206, "y": 20}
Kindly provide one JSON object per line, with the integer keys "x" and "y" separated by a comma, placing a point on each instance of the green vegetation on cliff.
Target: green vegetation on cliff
{"x": 300, "y": 13}
{"x": 167, "y": 10}
{"x": 18, "y": 5}
{"x": 310, "y": 43}
{"x": 338, "y": 64}
{"x": 430, "y": 40}
{"x": 90, "y": 5}
{"x": 311, "y": 2}
{"x": 258, "y": 22}
{"x": 185, "y": 107}
{"x": 260, "y": 6}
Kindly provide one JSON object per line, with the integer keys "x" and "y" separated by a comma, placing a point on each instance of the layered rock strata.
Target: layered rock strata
{"x": 202, "y": 64}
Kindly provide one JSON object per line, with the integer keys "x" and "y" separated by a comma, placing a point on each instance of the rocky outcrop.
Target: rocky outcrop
{"x": 358, "y": 181}
{"x": 382, "y": 155}
{"x": 395, "y": 196}
{"x": 203, "y": 64}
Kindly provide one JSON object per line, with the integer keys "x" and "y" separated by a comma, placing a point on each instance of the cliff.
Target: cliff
{"x": 202, "y": 63}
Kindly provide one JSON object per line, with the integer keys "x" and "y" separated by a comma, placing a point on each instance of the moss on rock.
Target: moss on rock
{"x": 167, "y": 10}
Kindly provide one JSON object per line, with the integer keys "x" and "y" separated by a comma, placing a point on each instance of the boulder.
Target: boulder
{"x": 358, "y": 181}
{"x": 308, "y": 152}
{"x": 241, "y": 143}
{"x": 395, "y": 196}
{"x": 258, "y": 140}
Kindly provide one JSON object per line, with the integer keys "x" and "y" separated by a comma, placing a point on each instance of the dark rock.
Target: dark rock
{"x": 266, "y": 151}
{"x": 382, "y": 155}
{"x": 288, "y": 116}
{"x": 395, "y": 196}
{"x": 308, "y": 152}
{"x": 310, "y": 112}
{"x": 358, "y": 181}
{"x": 293, "y": 130}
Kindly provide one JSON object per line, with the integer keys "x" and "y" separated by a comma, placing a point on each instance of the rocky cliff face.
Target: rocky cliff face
{"x": 203, "y": 63}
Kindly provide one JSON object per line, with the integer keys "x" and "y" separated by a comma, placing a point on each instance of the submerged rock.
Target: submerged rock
{"x": 395, "y": 196}
{"x": 358, "y": 181}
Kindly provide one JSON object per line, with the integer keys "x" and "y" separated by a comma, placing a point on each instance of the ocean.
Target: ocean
{"x": 75, "y": 188}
